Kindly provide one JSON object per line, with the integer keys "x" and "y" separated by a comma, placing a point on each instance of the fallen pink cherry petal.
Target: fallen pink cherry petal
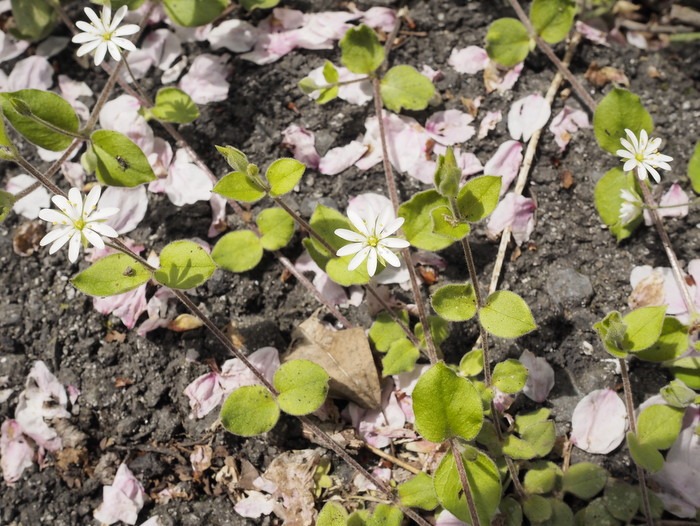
{"x": 121, "y": 501}
{"x": 339, "y": 159}
{"x": 132, "y": 204}
{"x": 672, "y": 293}
{"x": 404, "y": 384}
{"x": 381, "y": 18}
{"x": 567, "y": 122}
{"x": 235, "y": 35}
{"x": 469, "y": 60}
{"x": 74, "y": 173}
{"x": 433, "y": 74}
{"x": 72, "y": 91}
{"x": 506, "y": 163}
{"x": 540, "y": 376}
{"x": 186, "y": 182}
{"x": 93, "y": 254}
{"x": 10, "y": 47}
{"x": 205, "y": 81}
{"x": 122, "y": 114}
{"x": 528, "y": 115}
{"x": 205, "y": 394}
{"x": 329, "y": 290}
{"x": 599, "y": 422}
{"x": 153, "y": 521}
{"x": 302, "y": 143}
{"x": 488, "y": 123}
{"x": 447, "y": 519}
{"x": 499, "y": 81}
{"x": 255, "y": 505}
{"x": 450, "y": 127}
{"x": 34, "y": 72}
{"x": 591, "y": 33}
{"x": 16, "y": 454}
{"x": 127, "y": 306}
{"x": 30, "y": 205}
{"x": 218, "y": 215}
{"x": 674, "y": 203}
{"x": 514, "y": 211}
{"x": 363, "y": 484}
{"x": 160, "y": 312}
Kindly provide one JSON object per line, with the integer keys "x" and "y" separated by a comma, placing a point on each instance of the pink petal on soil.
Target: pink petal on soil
{"x": 121, "y": 114}
{"x": 205, "y": 81}
{"x": 15, "y": 453}
{"x": 233, "y": 34}
{"x": 591, "y": 33}
{"x": 301, "y": 142}
{"x": 10, "y": 47}
{"x": 381, "y": 18}
{"x": 339, "y": 159}
{"x": 675, "y": 198}
{"x": 127, "y": 306}
{"x": 33, "y": 72}
{"x": 205, "y": 394}
{"x": 506, "y": 163}
{"x": 468, "y": 60}
{"x": 488, "y": 123}
{"x": 132, "y": 204}
{"x": 329, "y": 289}
{"x": 186, "y": 183}
{"x": 255, "y": 505}
{"x": 356, "y": 93}
{"x": 447, "y": 519}
{"x": 567, "y": 122}
{"x": 516, "y": 212}
{"x": 121, "y": 501}
{"x": 433, "y": 74}
{"x": 30, "y": 205}
{"x": 450, "y": 127}
{"x": 599, "y": 422}
{"x": 72, "y": 90}
{"x": 528, "y": 115}
{"x": 540, "y": 377}
{"x": 235, "y": 374}
{"x": 672, "y": 294}
{"x": 159, "y": 313}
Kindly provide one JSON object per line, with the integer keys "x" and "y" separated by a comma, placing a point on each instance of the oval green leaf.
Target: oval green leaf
{"x": 332, "y": 514}
{"x": 659, "y": 425}
{"x": 552, "y": 19}
{"x": 111, "y": 275}
{"x": 401, "y": 358}
{"x": 403, "y": 87}
{"x": 283, "y": 175}
{"x": 506, "y": 315}
{"x": 7, "y": 201}
{"x": 508, "y": 42}
{"x": 643, "y": 327}
{"x": 385, "y": 331}
{"x": 619, "y": 109}
{"x": 419, "y": 492}
{"x": 249, "y": 411}
{"x": 174, "y": 105}
{"x": 446, "y": 405}
{"x": 120, "y": 162}
{"x": 34, "y": 113}
{"x": 644, "y": 455}
{"x": 509, "y": 376}
{"x": 361, "y": 51}
{"x": 456, "y": 302}
{"x": 302, "y": 387}
{"x": 239, "y": 187}
{"x": 694, "y": 169}
{"x": 418, "y": 225}
{"x": 33, "y": 19}
{"x": 608, "y": 201}
{"x": 238, "y": 251}
{"x": 537, "y": 509}
{"x": 184, "y": 265}
{"x": 479, "y": 197}
{"x": 235, "y": 158}
{"x": 584, "y": 480}
{"x": 276, "y": 228}
{"x": 672, "y": 342}
{"x": 622, "y": 501}
{"x": 191, "y": 13}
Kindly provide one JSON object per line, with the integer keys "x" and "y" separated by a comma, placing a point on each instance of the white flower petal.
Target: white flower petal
{"x": 653, "y": 172}
{"x": 100, "y": 53}
{"x": 60, "y": 241}
{"x": 74, "y": 247}
{"x": 114, "y": 50}
{"x": 55, "y": 234}
{"x": 87, "y": 36}
{"x": 124, "y": 43}
{"x": 93, "y": 238}
{"x": 118, "y": 17}
{"x": 358, "y": 223}
{"x": 359, "y": 258}
{"x": 55, "y": 217}
{"x": 349, "y": 235}
{"x": 94, "y": 18}
{"x": 352, "y": 248}
{"x": 627, "y": 146}
{"x": 630, "y": 165}
{"x": 372, "y": 262}
{"x": 391, "y": 227}
{"x": 388, "y": 256}
{"x": 91, "y": 201}
{"x": 102, "y": 214}
{"x": 89, "y": 47}
{"x": 632, "y": 138}
{"x": 128, "y": 29}
{"x": 103, "y": 230}
{"x": 395, "y": 242}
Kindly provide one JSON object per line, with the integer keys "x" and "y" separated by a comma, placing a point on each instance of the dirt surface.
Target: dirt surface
{"x": 146, "y": 422}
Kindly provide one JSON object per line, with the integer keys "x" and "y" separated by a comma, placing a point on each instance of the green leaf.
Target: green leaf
{"x": 561, "y": 514}
{"x": 508, "y": 42}
{"x": 472, "y": 363}
{"x": 116, "y": 4}
{"x": 525, "y": 420}
{"x": 447, "y": 174}
{"x": 608, "y": 201}
{"x": 192, "y": 13}
{"x": 446, "y": 405}
{"x": 644, "y": 455}
{"x": 511, "y": 512}
{"x": 235, "y": 158}
{"x": 174, "y": 105}
{"x": 672, "y": 342}
{"x": 283, "y": 175}
{"x": 484, "y": 481}
{"x": 34, "y": 19}
{"x": 619, "y": 109}
{"x": 455, "y": 302}
{"x": 659, "y": 426}
{"x": 332, "y": 514}
{"x": 677, "y": 394}
{"x": 7, "y": 201}
{"x": 26, "y": 110}
{"x": 418, "y": 225}
{"x": 276, "y": 227}
{"x": 385, "y": 515}
{"x": 330, "y": 73}
{"x": 542, "y": 477}
{"x": 552, "y": 19}
{"x": 405, "y": 88}
{"x": 238, "y": 251}
{"x": 694, "y": 169}
{"x": 361, "y": 51}
{"x": 302, "y": 387}
{"x": 687, "y": 370}
{"x": 541, "y": 436}
{"x": 537, "y": 509}
{"x": 111, "y": 275}
{"x": 643, "y": 327}
{"x": 621, "y": 500}
{"x": 6, "y": 152}
{"x": 479, "y": 197}
{"x": 337, "y": 270}
{"x": 385, "y": 331}
{"x": 506, "y": 315}
{"x": 249, "y": 411}
{"x": 596, "y": 514}
{"x": 517, "y": 448}
{"x": 239, "y": 187}
{"x": 584, "y": 480}
{"x": 401, "y": 358}
{"x": 249, "y": 5}
{"x": 447, "y": 225}
{"x": 611, "y": 331}
{"x": 184, "y": 265}
{"x": 120, "y": 162}
{"x": 509, "y": 376}
{"x": 419, "y": 492}
{"x": 439, "y": 329}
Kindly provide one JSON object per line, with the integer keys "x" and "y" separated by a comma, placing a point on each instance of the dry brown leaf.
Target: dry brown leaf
{"x": 201, "y": 458}
{"x": 346, "y": 357}
{"x": 26, "y": 238}
{"x": 648, "y": 292}
{"x": 293, "y": 473}
{"x": 185, "y": 322}
{"x": 115, "y": 336}
{"x": 567, "y": 179}
{"x": 599, "y": 77}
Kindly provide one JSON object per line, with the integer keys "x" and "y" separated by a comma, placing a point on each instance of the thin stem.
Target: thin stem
{"x": 629, "y": 404}
{"x": 405, "y": 253}
{"x": 457, "y": 455}
{"x": 392, "y": 459}
{"x": 37, "y": 174}
{"x": 136, "y": 83}
{"x": 102, "y": 99}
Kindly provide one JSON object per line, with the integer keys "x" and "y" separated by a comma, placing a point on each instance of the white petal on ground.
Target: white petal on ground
{"x": 599, "y": 422}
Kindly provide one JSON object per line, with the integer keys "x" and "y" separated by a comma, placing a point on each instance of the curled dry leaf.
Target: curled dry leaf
{"x": 185, "y": 322}
{"x": 26, "y": 239}
{"x": 648, "y": 292}
{"x": 599, "y": 77}
{"x": 346, "y": 357}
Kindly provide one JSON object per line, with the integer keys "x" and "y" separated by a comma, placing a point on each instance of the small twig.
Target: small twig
{"x": 392, "y": 459}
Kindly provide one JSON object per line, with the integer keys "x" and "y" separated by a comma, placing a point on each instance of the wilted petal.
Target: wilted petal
{"x": 599, "y": 422}
{"x": 301, "y": 142}
{"x": 528, "y": 115}
{"x": 469, "y": 60}
{"x": 540, "y": 377}
{"x": 506, "y": 163}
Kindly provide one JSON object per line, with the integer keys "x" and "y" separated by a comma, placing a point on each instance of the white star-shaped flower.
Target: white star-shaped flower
{"x": 643, "y": 155}
{"x": 372, "y": 241}
{"x": 630, "y": 207}
{"x": 77, "y": 221}
{"x": 104, "y": 34}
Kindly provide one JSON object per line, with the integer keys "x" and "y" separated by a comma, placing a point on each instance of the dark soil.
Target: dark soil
{"x": 146, "y": 423}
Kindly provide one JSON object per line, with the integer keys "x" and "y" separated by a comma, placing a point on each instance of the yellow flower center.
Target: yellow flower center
{"x": 373, "y": 241}
{"x": 639, "y": 157}
{"x": 79, "y": 224}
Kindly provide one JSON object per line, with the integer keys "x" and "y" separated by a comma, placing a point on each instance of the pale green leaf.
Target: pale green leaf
{"x": 418, "y": 225}
{"x": 479, "y": 197}
{"x": 239, "y": 187}
{"x": 472, "y": 363}
{"x": 249, "y": 411}
{"x": 112, "y": 275}
{"x": 184, "y": 265}
{"x": 361, "y": 51}
{"x": 120, "y": 162}
{"x": 403, "y": 87}
{"x": 276, "y": 228}
{"x": 608, "y": 201}
{"x": 537, "y": 509}
{"x": 385, "y": 331}
{"x": 401, "y": 358}
{"x": 677, "y": 394}
{"x": 508, "y": 42}
{"x": 506, "y": 315}
{"x": 235, "y": 158}
{"x": 174, "y": 105}
{"x": 283, "y": 175}
{"x": 643, "y": 327}
{"x": 238, "y": 251}
{"x": 419, "y": 492}
{"x": 249, "y": 5}
{"x": 302, "y": 387}
{"x": 621, "y": 500}
{"x": 619, "y": 109}
{"x": 192, "y": 13}
{"x": 584, "y": 480}
{"x": 7, "y": 201}
{"x": 645, "y": 455}
{"x": 659, "y": 425}
{"x": 672, "y": 342}
{"x": 694, "y": 169}
{"x": 332, "y": 514}
{"x": 455, "y": 302}
{"x": 33, "y": 19}
{"x": 552, "y": 19}
{"x": 509, "y": 376}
